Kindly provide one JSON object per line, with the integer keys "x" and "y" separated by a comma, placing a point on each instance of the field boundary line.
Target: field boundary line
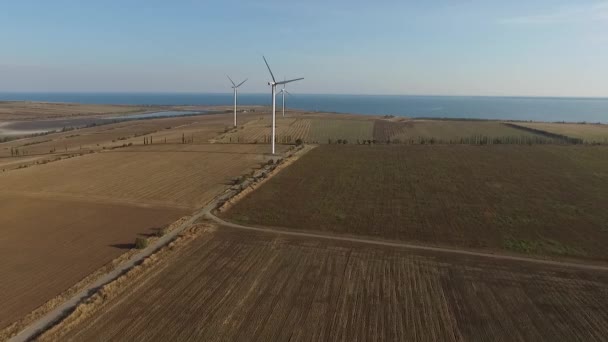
{"x": 405, "y": 245}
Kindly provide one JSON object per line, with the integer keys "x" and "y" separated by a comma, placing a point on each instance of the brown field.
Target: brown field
{"x": 27, "y": 110}
{"x": 443, "y": 131}
{"x": 62, "y": 220}
{"x": 182, "y": 176}
{"x": 588, "y": 132}
{"x": 234, "y": 286}
{"x": 544, "y": 200}
{"x": 49, "y": 244}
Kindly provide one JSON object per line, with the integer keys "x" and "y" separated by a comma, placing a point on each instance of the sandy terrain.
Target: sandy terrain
{"x": 27, "y": 110}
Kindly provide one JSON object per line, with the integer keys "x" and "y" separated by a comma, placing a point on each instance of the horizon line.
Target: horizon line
{"x": 313, "y": 94}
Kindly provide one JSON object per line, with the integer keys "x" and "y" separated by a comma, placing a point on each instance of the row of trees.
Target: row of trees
{"x": 560, "y": 137}
{"x": 421, "y": 140}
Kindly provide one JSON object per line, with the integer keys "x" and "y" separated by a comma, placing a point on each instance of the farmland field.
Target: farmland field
{"x": 588, "y": 132}
{"x": 288, "y": 130}
{"x": 183, "y": 176}
{"x": 317, "y": 128}
{"x": 231, "y": 286}
{"x": 62, "y": 220}
{"x": 321, "y": 130}
{"x": 49, "y": 244}
{"x": 442, "y": 131}
{"x": 543, "y": 200}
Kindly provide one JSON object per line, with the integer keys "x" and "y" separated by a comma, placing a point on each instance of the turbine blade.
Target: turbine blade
{"x": 285, "y": 82}
{"x": 268, "y": 66}
{"x": 231, "y": 81}
{"x": 240, "y": 84}
{"x": 288, "y": 93}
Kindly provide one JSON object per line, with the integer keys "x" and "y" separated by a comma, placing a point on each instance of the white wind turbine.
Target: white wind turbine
{"x": 283, "y": 92}
{"x": 235, "y": 87}
{"x": 274, "y": 84}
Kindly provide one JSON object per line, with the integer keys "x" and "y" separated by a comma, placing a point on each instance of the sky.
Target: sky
{"x": 464, "y": 47}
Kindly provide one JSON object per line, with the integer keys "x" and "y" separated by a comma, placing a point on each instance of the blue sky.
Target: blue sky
{"x": 468, "y": 47}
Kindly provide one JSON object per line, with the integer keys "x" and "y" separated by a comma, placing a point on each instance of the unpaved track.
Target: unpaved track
{"x": 211, "y": 216}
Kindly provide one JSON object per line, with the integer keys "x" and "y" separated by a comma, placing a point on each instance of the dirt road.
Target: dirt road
{"x": 376, "y": 242}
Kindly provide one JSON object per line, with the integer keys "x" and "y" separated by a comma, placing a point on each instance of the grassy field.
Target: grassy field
{"x": 62, "y": 220}
{"x": 322, "y": 130}
{"x": 544, "y": 200}
{"x": 234, "y": 286}
{"x": 590, "y": 133}
{"x": 443, "y": 131}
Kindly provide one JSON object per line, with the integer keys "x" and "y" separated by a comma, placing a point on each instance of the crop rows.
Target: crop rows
{"x": 228, "y": 286}
{"x": 167, "y": 175}
{"x": 288, "y": 130}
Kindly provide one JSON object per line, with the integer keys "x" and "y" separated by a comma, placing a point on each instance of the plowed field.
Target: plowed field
{"x": 49, "y": 244}
{"x": 63, "y": 220}
{"x": 234, "y": 286}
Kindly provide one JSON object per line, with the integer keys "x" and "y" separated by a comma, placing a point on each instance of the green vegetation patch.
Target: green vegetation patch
{"x": 544, "y": 246}
{"x": 325, "y": 130}
{"x": 453, "y": 195}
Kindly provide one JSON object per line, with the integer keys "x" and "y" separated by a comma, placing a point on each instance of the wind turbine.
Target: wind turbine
{"x": 274, "y": 84}
{"x": 235, "y": 87}
{"x": 282, "y": 92}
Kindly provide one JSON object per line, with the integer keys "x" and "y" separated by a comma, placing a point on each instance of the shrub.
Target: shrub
{"x": 299, "y": 142}
{"x": 141, "y": 243}
{"x": 345, "y": 141}
{"x": 270, "y": 162}
{"x": 162, "y": 231}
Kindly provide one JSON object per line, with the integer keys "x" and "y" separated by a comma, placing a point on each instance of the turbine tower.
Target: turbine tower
{"x": 235, "y": 87}
{"x": 274, "y": 84}
{"x": 282, "y": 92}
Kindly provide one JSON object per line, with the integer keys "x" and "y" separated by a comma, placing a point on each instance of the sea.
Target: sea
{"x": 552, "y": 109}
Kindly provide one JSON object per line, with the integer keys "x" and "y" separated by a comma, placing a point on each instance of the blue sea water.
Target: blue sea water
{"x": 477, "y": 107}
